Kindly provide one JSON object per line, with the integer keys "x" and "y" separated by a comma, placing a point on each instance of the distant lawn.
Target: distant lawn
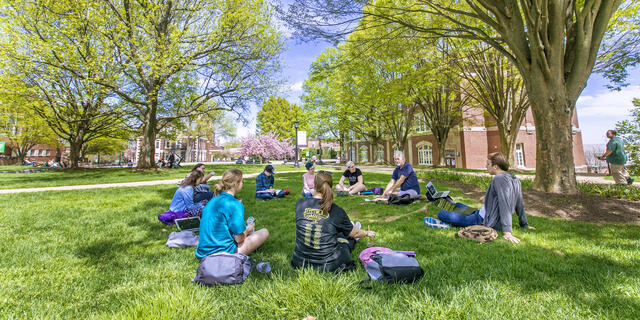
{"x": 19, "y": 168}
{"x": 101, "y": 254}
{"x": 113, "y": 175}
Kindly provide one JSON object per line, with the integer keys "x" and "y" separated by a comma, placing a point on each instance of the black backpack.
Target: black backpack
{"x": 403, "y": 200}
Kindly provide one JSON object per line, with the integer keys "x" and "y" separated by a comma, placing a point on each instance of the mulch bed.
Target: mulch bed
{"x": 578, "y": 207}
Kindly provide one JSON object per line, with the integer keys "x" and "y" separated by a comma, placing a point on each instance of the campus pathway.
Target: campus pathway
{"x": 582, "y": 179}
{"x": 117, "y": 185}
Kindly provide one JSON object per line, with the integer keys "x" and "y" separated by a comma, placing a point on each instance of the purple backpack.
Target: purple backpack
{"x": 169, "y": 217}
{"x": 376, "y": 190}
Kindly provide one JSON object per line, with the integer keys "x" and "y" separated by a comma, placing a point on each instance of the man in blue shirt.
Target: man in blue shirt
{"x": 264, "y": 181}
{"x": 403, "y": 180}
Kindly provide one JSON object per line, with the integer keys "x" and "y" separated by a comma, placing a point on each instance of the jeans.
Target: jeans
{"x": 199, "y": 196}
{"x": 460, "y": 220}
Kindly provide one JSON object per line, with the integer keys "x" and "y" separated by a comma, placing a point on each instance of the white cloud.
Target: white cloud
{"x": 296, "y": 86}
{"x": 608, "y": 103}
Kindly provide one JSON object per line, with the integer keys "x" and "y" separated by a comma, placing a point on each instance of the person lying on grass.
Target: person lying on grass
{"x": 182, "y": 200}
{"x": 325, "y": 236}
{"x": 503, "y": 197}
{"x": 356, "y": 182}
{"x": 222, "y": 226}
{"x": 403, "y": 180}
{"x": 308, "y": 180}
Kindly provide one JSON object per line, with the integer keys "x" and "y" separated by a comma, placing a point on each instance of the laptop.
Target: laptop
{"x": 435, "y": 194}
{"x": 188, "y": 224}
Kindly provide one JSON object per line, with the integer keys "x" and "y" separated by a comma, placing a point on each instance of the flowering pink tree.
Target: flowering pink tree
{"x": 266, "y": 146}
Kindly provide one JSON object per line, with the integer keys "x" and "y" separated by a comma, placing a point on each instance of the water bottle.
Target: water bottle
{"x": 263, "y": 267}
{"x": 251, "y": 220}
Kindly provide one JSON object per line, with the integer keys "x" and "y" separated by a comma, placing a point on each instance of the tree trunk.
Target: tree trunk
{"x": 75, "y": 146}
{"x": 441, "y": 145}
{"x": 507, "y": 143}
{"x": 553, "y": 112}
{"x": 148, "y": 147}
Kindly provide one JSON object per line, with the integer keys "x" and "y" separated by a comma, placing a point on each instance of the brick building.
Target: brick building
{"x": 39, "y": 153}
{"x": 468, "y": 145}
{"x": 189, "y": 149}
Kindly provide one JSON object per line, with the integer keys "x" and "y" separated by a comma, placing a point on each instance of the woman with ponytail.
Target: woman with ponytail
{"x": 222, "y": 227}
{"x": 325, "y": 236}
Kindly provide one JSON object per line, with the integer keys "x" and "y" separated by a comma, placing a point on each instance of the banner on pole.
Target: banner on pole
{"x": 302, "y": 138}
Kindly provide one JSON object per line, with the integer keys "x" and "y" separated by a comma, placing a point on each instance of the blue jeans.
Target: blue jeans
{"x": 460, "y": 220}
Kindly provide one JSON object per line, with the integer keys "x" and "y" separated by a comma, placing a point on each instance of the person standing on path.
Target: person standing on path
{"x": 616, "y": 157}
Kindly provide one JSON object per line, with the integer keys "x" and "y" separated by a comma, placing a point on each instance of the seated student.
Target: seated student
{"x": 222, "y": 226}
{"x": 356, "y": 182}
{"x": 503, "y": 197}
{"x": 202, "y": 190}
{"x": 325, "y": 236}
{"x": 307, "y": 180}
{"x": 403, "y": 180}
{"x": 183, "y": 198}
{"x": 264, "y": 185}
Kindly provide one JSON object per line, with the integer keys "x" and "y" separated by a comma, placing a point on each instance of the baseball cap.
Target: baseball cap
{"x": 309, "y": 165}
{"x": 269, "y": 168}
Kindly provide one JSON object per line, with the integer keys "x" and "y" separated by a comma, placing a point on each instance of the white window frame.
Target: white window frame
{"x": 379, "y": 154}
{"x": 365, "y": 158}
{"x": 519, "y": 154}
{"x": 420, "y": 124}
{"x": 425, "y": 155}
{"x": 157, "y": 143}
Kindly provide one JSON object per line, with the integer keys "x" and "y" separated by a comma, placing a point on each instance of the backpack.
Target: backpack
{"x": 386, "y": 265}
{"x": 403, "y": 200}
{"x": 223, "y": 268}
{"x": 478, "y": 233}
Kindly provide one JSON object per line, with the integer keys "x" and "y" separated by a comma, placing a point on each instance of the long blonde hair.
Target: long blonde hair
{"x": 230, "y": 180}
{"x": 323, "y": 183}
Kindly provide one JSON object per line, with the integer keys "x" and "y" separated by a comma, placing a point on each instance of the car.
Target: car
{"x": 239, "y": 161}
{"x": 250, "y": 161}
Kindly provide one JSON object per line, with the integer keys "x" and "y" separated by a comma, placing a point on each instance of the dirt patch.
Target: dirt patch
{"x": 579, "y": 207}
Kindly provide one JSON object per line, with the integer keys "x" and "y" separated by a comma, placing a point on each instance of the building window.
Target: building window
{"x": 167, "y": 144}
{"x": 364, "y": 154}
{"x": 520, "y": 155}
{"x": 158, "y": 144}
{"x": 379, "y": 154}
{"x": 419, "y": 123}
{"x": 36, "y": 153}
{"x": 48, "y": 153}
{"x": 425, "y": 155}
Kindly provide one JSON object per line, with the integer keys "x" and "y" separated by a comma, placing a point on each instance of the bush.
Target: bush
{"x": 634, "y": 170}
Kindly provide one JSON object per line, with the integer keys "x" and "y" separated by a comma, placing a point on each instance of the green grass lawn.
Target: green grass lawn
{"x": 19, "y": 168}
{"x": 114, "y": 175}
{"x": 101, "y": 254}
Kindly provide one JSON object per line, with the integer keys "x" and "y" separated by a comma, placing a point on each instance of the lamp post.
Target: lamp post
{"x": 295, "y": 125}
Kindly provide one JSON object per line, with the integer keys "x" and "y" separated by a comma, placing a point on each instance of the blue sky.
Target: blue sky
{"x": 598, "y": 108}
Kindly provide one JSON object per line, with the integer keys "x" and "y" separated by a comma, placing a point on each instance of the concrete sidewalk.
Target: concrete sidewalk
{"x": 119, "y": 184}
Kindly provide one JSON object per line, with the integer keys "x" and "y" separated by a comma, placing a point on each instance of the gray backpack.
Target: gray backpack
{"x": 223, "y": 268}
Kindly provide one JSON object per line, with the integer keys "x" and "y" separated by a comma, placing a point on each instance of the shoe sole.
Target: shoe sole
{"x": 435, "y": 223}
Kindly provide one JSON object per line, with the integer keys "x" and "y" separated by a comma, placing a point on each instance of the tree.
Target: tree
{"x": 554, "y": 45}
{"x": 629, "y": 131}
{"x": 495, "y": 84}
{"x": 19, "y": 123}
{"x": 621, "y": 45}
{"x": 170, "y": 57}
{"x": 266, "y": 146}
{"x": 72, "y": 105}
{"x": 276, "y": 117}
{"x": 104, "y": 146}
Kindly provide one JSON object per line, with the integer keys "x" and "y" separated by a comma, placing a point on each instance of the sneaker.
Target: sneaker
{"x": 629, "y": 181}
{"x": 435, "y": 223}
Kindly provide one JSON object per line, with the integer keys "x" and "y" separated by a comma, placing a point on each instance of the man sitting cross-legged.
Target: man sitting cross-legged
{"x": 356, "y": 182}
{"x": 403, "y": 180}
{"x": 503, "y": 197}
